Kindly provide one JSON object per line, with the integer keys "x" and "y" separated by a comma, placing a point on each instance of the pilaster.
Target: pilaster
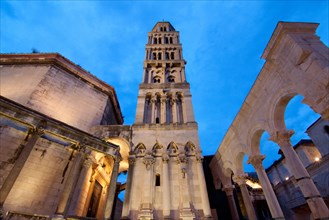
{"x": 27, "y": 145}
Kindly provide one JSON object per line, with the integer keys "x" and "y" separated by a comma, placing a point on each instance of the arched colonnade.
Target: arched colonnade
{"x": 297, "y": 63}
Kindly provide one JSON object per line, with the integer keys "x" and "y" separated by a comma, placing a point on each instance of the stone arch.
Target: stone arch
{"x": 172, "y": 149}
{"x": 255, "y": 141}
{"x": 239, "y": 162}
{"x": 228, "y": 168}
{"x": 278, "y": 109}
{"x": 124, "y": 150}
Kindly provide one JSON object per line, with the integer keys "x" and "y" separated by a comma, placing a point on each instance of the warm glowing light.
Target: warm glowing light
{"x": 316, "y": 159}
{"x": 253, "y": 185}
{"x": 287, "y": 178}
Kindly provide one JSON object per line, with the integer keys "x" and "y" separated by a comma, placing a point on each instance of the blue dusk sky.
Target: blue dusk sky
{"x": 222, "y": 44}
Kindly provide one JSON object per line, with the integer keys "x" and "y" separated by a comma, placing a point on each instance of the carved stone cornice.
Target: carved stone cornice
{"x": 148, "y": 160}
{"x": 256, "y": 161}
{"x": 282, "y": 138}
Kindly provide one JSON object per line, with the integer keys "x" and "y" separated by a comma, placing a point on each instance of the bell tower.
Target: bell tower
{"x": 165, "y": 175}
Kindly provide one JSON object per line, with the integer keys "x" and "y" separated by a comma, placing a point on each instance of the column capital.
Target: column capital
{"x": 132, "y": 159}
{"x": 228, "y": 189}
{"x": 256, "y": 161}
{"x": 282, "y": 138}
{"x": 240, "y": 179}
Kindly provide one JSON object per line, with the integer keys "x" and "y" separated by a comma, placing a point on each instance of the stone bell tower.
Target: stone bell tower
{"x": 165, "y": 175}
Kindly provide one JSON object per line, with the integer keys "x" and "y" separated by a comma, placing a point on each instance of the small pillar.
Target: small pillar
{"x": 163, "y": 111}
{"x": 126, "y": 203}
{"x": 111, "y": 189}
{"x": 228, "y": 189}
{"x": 305, "y": 183}
{"x": 240, "y": 179}
{"x": 270, "y": 197}
{"x": 174, "y": 110}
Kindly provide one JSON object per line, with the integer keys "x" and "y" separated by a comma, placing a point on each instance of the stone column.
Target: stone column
{"x": 153, "y": 102}
{"x": 71, "y": 179}
{"x": 76, "y": 204}
{"x": 228, "y": 189}
{"x": 185, "y": 212}
{"x": 203, "y": 188}
{"x": 163, "y": 111}
{"x": 241, "y": 180}
{"x": 146, "y": 211}
{"x": 126, "y": 202}
{"x": 166, "y": 187}
{"x": 271, "y": 199}
{"x": 184, "y": 110}
{"x": 305, "y": 183}
{"x": 111, "y": 189}
{"x": 26, "y": 146}
{"x": 174, "y": 110}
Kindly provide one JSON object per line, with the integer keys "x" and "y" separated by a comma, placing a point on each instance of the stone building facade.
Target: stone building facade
{"x": 63, "y": 143}
{"x": 51, "y": 165}
{"x": 165, "y": 176}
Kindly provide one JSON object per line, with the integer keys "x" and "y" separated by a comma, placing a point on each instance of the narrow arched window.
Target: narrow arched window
{"x": 160, "y": 42}
{"x": 170, "y": 40}
{"x": 154, "y": 56}
{"x": 164, "y": 29}
{"x": 167, "y": 56}
{"x": 172, "y": 55}
{"x": 157, "y": 180}
{"x": 159, "y": 56}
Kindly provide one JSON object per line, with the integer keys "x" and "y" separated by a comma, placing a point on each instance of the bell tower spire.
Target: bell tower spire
{"x": 165, "y": 176}
{"x": 164, "y": 96}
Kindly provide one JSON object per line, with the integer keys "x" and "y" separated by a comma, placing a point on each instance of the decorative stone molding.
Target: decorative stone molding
{"x": 199, "y": 158}
{"x": 148, "y": 161}
{"x": 132, "y": 159}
